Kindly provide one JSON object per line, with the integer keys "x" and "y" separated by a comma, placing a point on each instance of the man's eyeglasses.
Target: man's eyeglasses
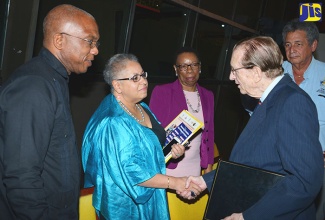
{"x": 244, "y": 67}
{"x": 136, "y": 77}
{"x": 91, "y": 43}
{"x": 183, "y": 67}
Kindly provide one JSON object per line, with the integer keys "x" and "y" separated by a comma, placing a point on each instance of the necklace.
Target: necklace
{"x": 127, "y": 110}
{"x": 198, "y": 102}
{"x": 298, "y": 75}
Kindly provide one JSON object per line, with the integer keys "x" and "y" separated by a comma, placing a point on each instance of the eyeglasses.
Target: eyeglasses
{"x": 91, "y": 43}
{"x": 244, "y": 67}
{"x": 183, "y": 67}
{"x": 136, "y": 77}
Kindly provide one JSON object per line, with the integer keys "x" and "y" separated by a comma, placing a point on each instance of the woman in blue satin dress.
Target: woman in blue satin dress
{"x": 122, "y": 149}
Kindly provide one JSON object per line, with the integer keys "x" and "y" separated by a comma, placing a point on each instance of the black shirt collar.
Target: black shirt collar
{"x": 54, "y": 63}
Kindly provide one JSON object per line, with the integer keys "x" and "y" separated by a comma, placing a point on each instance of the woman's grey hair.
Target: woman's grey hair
{"x": 262, "y": 52}
{"x": 309, "y": 27}
{"x": 116, "y": 65}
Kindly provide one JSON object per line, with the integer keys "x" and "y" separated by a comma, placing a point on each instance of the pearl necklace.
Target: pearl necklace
{"x": 127, "y": 110}
{"x": 198, "y": 102}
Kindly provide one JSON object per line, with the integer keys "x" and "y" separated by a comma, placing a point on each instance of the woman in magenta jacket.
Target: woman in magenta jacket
{"x": 168, "y": 100}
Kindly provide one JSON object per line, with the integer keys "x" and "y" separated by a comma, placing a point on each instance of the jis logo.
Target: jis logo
{"x": 310, "y": 12}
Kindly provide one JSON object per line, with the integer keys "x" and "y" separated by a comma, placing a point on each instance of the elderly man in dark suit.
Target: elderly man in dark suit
{"x": 281, "y": 135}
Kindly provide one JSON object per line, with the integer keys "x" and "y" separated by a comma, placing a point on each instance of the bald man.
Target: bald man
{"x": 39, "y": 159}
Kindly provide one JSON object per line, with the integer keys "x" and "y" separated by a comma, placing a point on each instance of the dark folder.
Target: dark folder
{"x": 236, "y": 187}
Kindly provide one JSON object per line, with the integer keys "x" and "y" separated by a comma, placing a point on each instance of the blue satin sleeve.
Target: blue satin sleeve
{"x": 117, "y": 155}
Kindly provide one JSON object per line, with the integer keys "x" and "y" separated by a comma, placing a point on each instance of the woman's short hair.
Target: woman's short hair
{"x": 115, "y": 65}
{"x": 186, "y": 50}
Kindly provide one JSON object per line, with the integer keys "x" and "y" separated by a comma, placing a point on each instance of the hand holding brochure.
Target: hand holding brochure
{"x": 180, "y": 130}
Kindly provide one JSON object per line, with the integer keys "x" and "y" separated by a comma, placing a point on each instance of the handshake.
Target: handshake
{"x": 186, "y": 187}
{"x": 194, "y": 185}
{"x": 190, "y": 187}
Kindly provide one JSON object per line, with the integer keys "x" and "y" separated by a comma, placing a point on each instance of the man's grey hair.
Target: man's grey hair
{"x": 262, "y": 52}
{"x": 309, "y": 27}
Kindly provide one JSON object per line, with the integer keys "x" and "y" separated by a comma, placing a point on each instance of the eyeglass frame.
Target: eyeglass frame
{"x": 179, "y": 66}
{"x": 91, "y": 43}
{"x": 144, "y": 75}
{"x": 243, "y": 67}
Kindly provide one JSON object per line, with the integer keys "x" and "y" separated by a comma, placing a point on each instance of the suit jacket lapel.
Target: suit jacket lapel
{"x": 259, "y": 114}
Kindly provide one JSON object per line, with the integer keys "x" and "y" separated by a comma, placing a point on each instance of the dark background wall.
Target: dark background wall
{"x": 153, "y": 34}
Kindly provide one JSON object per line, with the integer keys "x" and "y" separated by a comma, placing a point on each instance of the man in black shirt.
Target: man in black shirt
{"x": 39, "y": 159}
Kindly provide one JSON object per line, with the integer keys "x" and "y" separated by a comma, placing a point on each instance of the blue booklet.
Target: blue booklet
{"x": 184, "y": 127}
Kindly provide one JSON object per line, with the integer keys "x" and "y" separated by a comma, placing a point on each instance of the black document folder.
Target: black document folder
{"x": 237, "y": 187}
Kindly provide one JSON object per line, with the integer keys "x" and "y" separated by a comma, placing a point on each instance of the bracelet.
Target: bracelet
{"x": 167, "y": 182}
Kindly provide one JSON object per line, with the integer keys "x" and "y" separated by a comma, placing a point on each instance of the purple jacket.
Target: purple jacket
{"x": 168, "y": 100}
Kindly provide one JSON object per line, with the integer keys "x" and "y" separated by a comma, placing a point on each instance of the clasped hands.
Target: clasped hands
{"x": 194, "y": 186}
{"x": 187, "y": 187}
{"x": 190, "y": 187}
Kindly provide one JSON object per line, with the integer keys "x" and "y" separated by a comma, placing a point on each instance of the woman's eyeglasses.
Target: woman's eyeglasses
{"x": 136, "y": 77}
{"x": 183, "y": 67}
